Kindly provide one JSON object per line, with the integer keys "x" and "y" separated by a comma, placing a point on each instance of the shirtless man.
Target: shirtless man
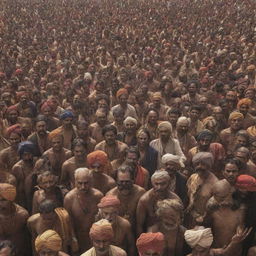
{"x": 51, "y": 217}
{"x": 57, "y": 154}
{"x": 128, "y": 193}
{"x": 146, "y": 214}
{"x": 22, "y": 170}
{"x": 101, "y": 234}
{"x": 98, "y": 162}
{"x": 13, "y": 219}
{"x": 81, "y": 204}
{"x": 49, "y": 243}
{"x": 77, "y": 161}
{"x": 123, "y": 236}
{"x": 200, "y": 186}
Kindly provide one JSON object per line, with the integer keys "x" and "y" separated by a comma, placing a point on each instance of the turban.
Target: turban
{"x": 246, "y": 182}
{"x": 50, "y": 240}
{"x": 21, "y": 93}
{"x": 109, "y": 201}
{"x": 160, "y": 174}
{"x": 101, "y": 230}
{"x": 97, "y": 156}
{"x": 148, "y": 73}
{"x": 12, "y": 108}
{"x": 157, "y": 96}
{"x": 150, "y": 241}
{"x": 174, "y": 158}
{"x": 7, "y": 191}
{"x": 205, "y": 134}
{"x": 183, "y": 119}
{"x": 130, "y": 119}
{"x": 165, "y": 124}
{"x": 16, "y": 128}
{"x": 244, "y": 101}
{"x": 26, "y": 147}
{"x": 251, "y": 68}
{"x": 18, "y": 71}
{"x": 121, "y": 92}
{"x": 202, "y": 237}
{"x": 204, "y": 157}
{"x": 66, "y": 114}
{"x": 203, "y": 69}
{"x": 88, "y": 76}
{"x": 209, "y": 120}
{"x": 235, "y": 115}
{"x": 55, "y": 133}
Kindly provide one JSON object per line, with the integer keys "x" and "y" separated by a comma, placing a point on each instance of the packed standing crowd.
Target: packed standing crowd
{"x": 127, "y": 127}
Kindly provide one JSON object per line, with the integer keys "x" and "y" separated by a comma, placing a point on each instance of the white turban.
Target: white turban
{"x": 166, "y": 125}
{"x": 88, "y": 76}
{"x": 202, "y": 237}
{"x": 183, "y": 119}
{"x": 130, "y": 119}
{"x": 160, "y": 174}
{"x": 173, "y": 158}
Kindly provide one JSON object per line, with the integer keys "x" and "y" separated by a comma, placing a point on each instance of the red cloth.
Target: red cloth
{"x": 97, "y": 156}
{"x": 121, "y": 92}
{"x": 109, "y": 201}
{"x": 140, "y": 177}
{"x": 246, "y": 182}
{"x": 244, "y": 101}
{"x": 12, "y": 108}
{"x": 101, "y": 230}
{"x": 16, "y": 128}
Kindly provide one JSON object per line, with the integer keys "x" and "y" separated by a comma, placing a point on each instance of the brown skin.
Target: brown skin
{"x": 81, "y": 204}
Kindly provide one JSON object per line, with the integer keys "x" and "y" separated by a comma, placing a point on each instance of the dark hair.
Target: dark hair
{"x": 109, "y": 127}
{"x": 152, "y": 109}
{"x": 82, "y": 123}
{"x": 133, "y": 150}
{"x": 47, "y": 206}
{"x": 8, "y": 244}
{"x": 102, "y": 97}
{"x": 195, "y": 107}
{"x": 236, "y": 162}
{"x": 175, "y": 111}
{"x": 40, "y": 118}
{"x": 146, "y": 131}
{"x": 126, "y": 169}
{"x": 78, "y": 142}
{"x": 118, "y": 110}
{"x": 197, "y": 83}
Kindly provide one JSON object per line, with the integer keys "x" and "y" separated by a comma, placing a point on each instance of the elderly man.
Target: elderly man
{"x": 49, "y": 243}
{"x": 227, "y": 136}
{"x": 128, "y": 193}
{"x": 98, "y": 162}
{"x": 165, "y": 143}
{"x": 101, "y": 234}
{"x": 243, "y": 106}
{"x": 110, "y": 145}
{"x": 13, "y": 219}
{"x": 151, "y": 244}
{"x": 200, "y": 186}
{"x": 173, "y": 164}
{"x": 146, "y": 215}
{"x": 81, "y": 204}
{"x": 51, "y": 217}
{"x": 123, "y": 237}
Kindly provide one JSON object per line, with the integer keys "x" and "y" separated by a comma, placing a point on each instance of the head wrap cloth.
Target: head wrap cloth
{"x": 204, "y": 157}
{"x": 109, "y": 201}
{"x": 172, "y": 158}
{"x": 102, "y": 230}
{"x": 26, "y": 147}
{"x": 246, "y": 182}
{"x": 50, "y": 240}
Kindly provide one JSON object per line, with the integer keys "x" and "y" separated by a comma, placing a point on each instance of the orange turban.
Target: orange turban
{"x": 16, "y": 128}
{"x": 251, "y": 68}
{"x": 50, "y": 240}
{"x": 12, "y": 108}
{"x": 244, "y": 101}
{"x": 235, "y": 114}
{"x": 97, "y": 156}
{"x": 121, "y": 92}
{"x": 7, "y": 191}
{"x": 101, "y": 230}
{"x": 246, "y": 182}
{"x": 201, "y": 69}
{"x": 55, "y": 133}
{"x": 109, "y": 201}
{"x": 150, "y": 241}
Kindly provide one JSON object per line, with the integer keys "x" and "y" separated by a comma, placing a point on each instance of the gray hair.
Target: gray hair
{"x": 83, "y": 171}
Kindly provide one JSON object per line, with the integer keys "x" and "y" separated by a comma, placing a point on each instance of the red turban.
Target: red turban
{"x": 97, "y": 156}
{"x": 16, "y": 128}
{"x": 101, "y": 230}
{"x": 109, "y": 201}
{"x": 148, "y": 73}
{"x": 121, "y": 92}
{"x": 18, "y": 71}
{"x": 12, "y": 108}
{"x": 21, "y": 93}
{"x": 244, "y": 101}
{"x": 203, "y": 69}
{"x": 246, "y": 182}
{"x": 150, "y": 241}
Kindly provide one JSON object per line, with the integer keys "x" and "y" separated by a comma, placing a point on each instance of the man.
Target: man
{"x": 110, "y": 145}
{"x": 48, "y": 189}
{"x": 165, "y": 143}
{"x": 51, "y": 217}
{"x": 101, "y": 234}
{"x": 200, "y": 186}
{"x": 186, "y": 140}
{"x": 196, "y": 125}
{"x": 192, "y": 96}
{"x": 40, "y": 137}
{"x": 118, "y": 114}
{"x": 95, "y": 129}
{"x": 151, "y": 244}
{"x": 67, "y": 130}
{"x": 98, "y": 162}
{"x": 13, "y": 219}
{"x": 151, "y": 123}
{"x": 173, "y": 164}
{"x": 243, "y": 106}
{"x": 47, "y": 109}
{"x": 127, "y": 192}
{"x": 49, "y": 243}
{"x": 57, "y": 154}
{"x": 81, "y": 203}
{"x": 22, "y": 169}
{"x": 145, "y": 214}
{"x": 77, "y": 161}
{"x": 123, "y": 237}
{"x": 227, "y": 136}
{"x": 219, "y": 116}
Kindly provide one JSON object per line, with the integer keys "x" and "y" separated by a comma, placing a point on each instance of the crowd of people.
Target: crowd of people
{"x": 127, "y": 127}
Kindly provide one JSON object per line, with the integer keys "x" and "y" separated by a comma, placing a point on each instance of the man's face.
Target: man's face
{"x": 47, "y": 111}
{"x": 231, "y": 96}
{"x": 152, "y": 117}
{"x": 192, "y": 89}
{"x": 164, "y": 133}
{"x": 48, "y": 183}
{"x": 156, "y": 103}
{"x": 119, "y": 118}
{"x": 194, "y": 114}
{"x": 172, "y": 167}
{"x": 110, "y": 137}
{"x": 27, "y": 157}
{"x": 231, "y": 173}
{"x": 160, "y": 185}
{"x": 41, "y": 128}
{"x": 170, "y": 219}
{"x": 67, "y": 122}
{"x": 242, "y": 156}
{"x": 142, "y": 139}
{"x": 241, "y": 140}
{"x": 151, "y": 253}
{"x": 124, "y": 183}
{"x": 101, "y": 247}
{"x": 172, "y": 118}
{"x": 201, "y": 168}
{"x": 24, "y": 99}
{"x": 4, "y": 204}
{"x": 57, "y": 143}
{"x": 200, "y": 251}
{"x": 13, "y": 116}
{"x": 244, "y": 109}
{"x": 109, "y": 213}
{"x": 101, "y": 118}
{"x": 183, "y": 127}
{"x": 14, "y": 139}
{"x": 236, "y": 123}
{"x": 48, "y": 252}
{"x": 123, "y": 99}
{"x": 204, "y": 143}
{"x": 83, "y": 183}
{"x": 130, "y": 127}
{"x": 132, "y": 159}
{"x": 79, "y": 153}
{"x": 82, "y": 132}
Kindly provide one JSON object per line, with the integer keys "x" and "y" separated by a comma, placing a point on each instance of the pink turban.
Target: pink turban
{"x": 109, "y": 201}
{"x": 97, "y": 156}
{"x": 101, "y": 230}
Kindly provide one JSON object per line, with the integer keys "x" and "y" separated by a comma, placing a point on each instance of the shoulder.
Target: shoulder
{"x": 21, "y": 212}
{"x": 90, "y": 252}
{"x": 68, "y": 162}
{"x": 70, "y": 195}
{"x": 138, "y": 189}
{"x": 96, "y": 193}
{"x": 112, "y": 191}
{"x": 117, "y": 251}
{"x": 33, "y": 219}
{"x": 100, "y": 145}
{"x": 154, "y": 142}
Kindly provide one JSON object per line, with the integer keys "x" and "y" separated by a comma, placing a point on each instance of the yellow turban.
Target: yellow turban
{"x": 102, "y": 230}
{"x": 244, "y": 101}
{"x": 235, "y": 115}
{"x": 7, "y": 191}
{"x": 157, "y": 96}
{"x": 50, "y": 240}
